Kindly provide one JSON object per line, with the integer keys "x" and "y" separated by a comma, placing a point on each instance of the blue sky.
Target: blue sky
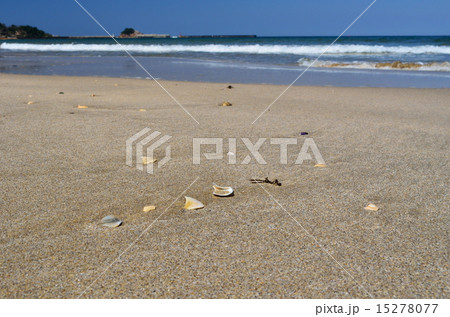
{"x": 260, "y": 17}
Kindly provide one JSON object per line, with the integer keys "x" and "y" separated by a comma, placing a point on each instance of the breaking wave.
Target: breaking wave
{"x": 337, "y": 49}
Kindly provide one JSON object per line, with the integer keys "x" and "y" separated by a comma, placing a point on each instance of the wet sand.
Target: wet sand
{"x": 63, "y": 169}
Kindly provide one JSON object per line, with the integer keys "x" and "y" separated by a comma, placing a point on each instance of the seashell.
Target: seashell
{"x": 30, "y": 102}
{"x": 226, "y": 104}
{"x": 192, "y": 203}
{"x": 142, "y": 110}
{"x": 93, "y": 95}
{"x": 371, "y": 207}
{"x": 320, "y": 165}
{"x": 82, "y": 107}
{"x": 111, "y": 221}
{"x": 148, "y": 208}
{"x": 222, "y": 191}
{"x": 147, "y": 160}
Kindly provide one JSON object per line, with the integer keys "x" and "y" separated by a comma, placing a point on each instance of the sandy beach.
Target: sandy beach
{"x": 63, "y": 169}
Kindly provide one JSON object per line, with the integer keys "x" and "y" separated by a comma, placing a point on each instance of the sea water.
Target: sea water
{"x": 380, "y": 61}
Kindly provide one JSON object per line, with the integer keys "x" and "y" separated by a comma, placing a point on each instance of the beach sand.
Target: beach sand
{"x": 63, "y": 169}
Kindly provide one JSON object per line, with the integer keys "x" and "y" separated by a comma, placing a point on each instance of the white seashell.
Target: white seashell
{"x": 148, "y": 208}
{"x": 192, "y": 203}
{"x": 222, "y": 191}
{"x": 111, "y": 221}
{"x": 371, "y": 207}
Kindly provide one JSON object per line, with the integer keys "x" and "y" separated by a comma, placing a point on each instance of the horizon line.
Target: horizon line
{"x": 225, "y": 35}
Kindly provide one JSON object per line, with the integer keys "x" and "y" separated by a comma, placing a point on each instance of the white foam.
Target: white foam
{"x": 418, "y": 66}
{"x": 336, "y": 49}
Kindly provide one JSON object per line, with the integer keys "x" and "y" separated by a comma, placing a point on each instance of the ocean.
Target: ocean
{"x": 374, "y": 61}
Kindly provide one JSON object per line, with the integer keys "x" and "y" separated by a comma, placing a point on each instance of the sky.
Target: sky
{"x": 232, "y": 17}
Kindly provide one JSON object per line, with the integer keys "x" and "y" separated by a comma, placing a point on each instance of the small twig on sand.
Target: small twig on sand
{"x": 266, "y": 180}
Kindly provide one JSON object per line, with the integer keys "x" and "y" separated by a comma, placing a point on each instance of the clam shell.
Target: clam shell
{"x": 148, "y": 208}
{"x": 192, "y": 203}
{"x": 222, "y": 191}
{"x": 371, "y": 207}
{"x": 111, "y": 221}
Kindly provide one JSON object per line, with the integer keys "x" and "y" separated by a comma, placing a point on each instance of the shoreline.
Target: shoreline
{"x": 194, "y": 70}
{"x": 63, "y": 169}
{"x": 78, "y": 77}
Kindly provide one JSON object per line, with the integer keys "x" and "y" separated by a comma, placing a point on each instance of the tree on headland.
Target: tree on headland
{"x": 22, "y": 32}
{"x": 128, "y": 31}
{"x": 3, "y": 30}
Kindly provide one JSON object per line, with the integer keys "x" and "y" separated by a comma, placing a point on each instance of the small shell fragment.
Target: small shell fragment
{"x": 142, "y": 110}
{"x": 222, "y": 191}
{"x": 148, "y": 208}
{"x": 93, "y": 95}
{"x": 111, "y": 221}
{"x": 82, "y": 107}
{"x": 30, "y": 102}
{"x": 371, "y": 207}
{"x": 192, "y": 203}
{"x": 147, "y": 160}
{"x": 226, "y": 104}
{"x": 320, "y": 165}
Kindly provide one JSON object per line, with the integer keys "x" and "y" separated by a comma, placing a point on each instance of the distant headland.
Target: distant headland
{"x": 132, "y": 33}
{"x": 15, "y": 32}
